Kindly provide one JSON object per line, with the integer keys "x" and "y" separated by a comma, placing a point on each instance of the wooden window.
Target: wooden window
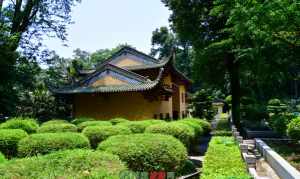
{"x": 155, "y": 116}
{"x": 166, "y": 98}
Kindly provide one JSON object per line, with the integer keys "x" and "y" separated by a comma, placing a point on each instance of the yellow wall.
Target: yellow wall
{"x": 132, "y": 106}
{"x": 108, "y": 80}
{"x": 128, "y": 62}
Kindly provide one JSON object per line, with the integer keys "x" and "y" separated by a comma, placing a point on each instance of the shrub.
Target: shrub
{"x": 81, "y": 120}
{"x": 147, "y": 152}
{"x": 293, "y": 129}
{"x": 48, "y": 142}
{"x": 62, "y": 127}
{"x": 178, "y": 130}
{"x": 2, "y": 158}
{"x": 97, "y": 134}
{"x": 204, "y": 124}
{"x": 82, "y": 125}
{"x": 27, "y": 124}
{"x": 55, "y": 121}
{"x": 195, "y": 125}
{"x": 223, "y": 128}
{"x": 140, "y": 126}
{"x": 9, "y": 139}
{"x": 65, "y": 164}
{"x": 218, "y": 165}
{"x": 279, "y": 122}
{"x": 118, "y": 120}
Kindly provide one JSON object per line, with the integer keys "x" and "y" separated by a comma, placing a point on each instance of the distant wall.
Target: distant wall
{"x": 130, "y": 105}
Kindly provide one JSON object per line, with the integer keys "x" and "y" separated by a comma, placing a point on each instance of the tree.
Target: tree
{"x": 240, "y": 38}
{"x": 23, "y": 24}
{"x": 201, "y": 24}
{"x": 164, "y": 41}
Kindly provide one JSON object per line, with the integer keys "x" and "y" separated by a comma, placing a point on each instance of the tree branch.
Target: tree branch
{"x": 16, "y": 17}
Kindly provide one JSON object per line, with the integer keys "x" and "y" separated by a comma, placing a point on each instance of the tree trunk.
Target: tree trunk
{"x": 233, "y": 68}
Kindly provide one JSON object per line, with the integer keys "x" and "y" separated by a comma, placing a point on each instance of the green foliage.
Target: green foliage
{"x": 276, "y": 106}
{"x": 82, "y": 125}
{"x": 182, "y": 132}
{"x": 57, "y": 127}
{"x": 218, "y": 165}
{"x": 118, "y": 120}
{"x": 2, "y": 158}
{"x": 279, "y": 122}
{"x": 140, "y": 126}
{"x": 44, "y": 143}
{"x": 97, "y": 134}
{"x": 81, "y": 120}
{"x": 164, "y": 41}
{"x": 188, "y": 168}
{"x": 147, "y": 152}
{"x": 55, "y": 121}
{"x": 204, "y": 124}
{"x": 9, "y": 139}
{"x": 222, "y": 128}
{"x": 27, "y": 124}
{"x": 202, "y": 104}
{"x": 293, "y": 129}
{"x": 65, "y": 164}
{"x": 194, "y": 124}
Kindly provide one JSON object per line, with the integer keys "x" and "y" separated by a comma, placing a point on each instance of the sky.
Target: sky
{"x": 101, "y": 24}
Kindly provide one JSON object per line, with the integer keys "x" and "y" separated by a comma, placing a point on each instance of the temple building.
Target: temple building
{"x": 132, "y": 85}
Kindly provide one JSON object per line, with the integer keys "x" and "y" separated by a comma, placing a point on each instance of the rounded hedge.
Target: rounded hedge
{"x": 82, "y": 125}
{"x": 293, "y": 129}
{"x": 118, "y": 120}
{"x": 97, "y": 134}
{"x": 53, "y": 128}
{"x": 55, "y": 121}
{"x": 9, "y": 139}
{"x": 79, "y": 120}
{"x": 27, "y": 124}
{"x": 44, "y": 143}
{"x": 65, "y": 164}
{"x": 178, "y": 130}
{"x": 205, "y": 124}
{"x": 195, "y": 125}
{"x": 147, "y": 152}
{"x": 140, "y": 126}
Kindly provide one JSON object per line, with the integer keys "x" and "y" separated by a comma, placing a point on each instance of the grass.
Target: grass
{"x": 223, "y": 160}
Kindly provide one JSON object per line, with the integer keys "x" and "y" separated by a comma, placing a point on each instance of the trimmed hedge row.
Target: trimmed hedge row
{"x": 57, "y": 127}
{"x": 9, "y": 139}
{"x": 82, "y": 125}
{"x": 223, "y": 160}
{"x": 97, "y": 134}
{"x": 147, "y": 152}
{"x": 44, "y": 143}
{"x": 204, "y": 124}
{"x": 180, "y": 131}
{"x": 140, "y": 126}
{"x": 27, "y": 124}
{"x": 65, "y": 164}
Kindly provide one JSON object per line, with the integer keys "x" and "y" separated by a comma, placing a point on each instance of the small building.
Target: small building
{"x": 132, "y": 85}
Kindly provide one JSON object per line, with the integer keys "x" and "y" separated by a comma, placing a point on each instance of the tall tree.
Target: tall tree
{"x": 239, "y": 36}
{"x": 23, "y": 24}
{"x": 164, "y": 41}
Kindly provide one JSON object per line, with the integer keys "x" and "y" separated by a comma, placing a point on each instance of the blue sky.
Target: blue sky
{"x": 106, "y": 23}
